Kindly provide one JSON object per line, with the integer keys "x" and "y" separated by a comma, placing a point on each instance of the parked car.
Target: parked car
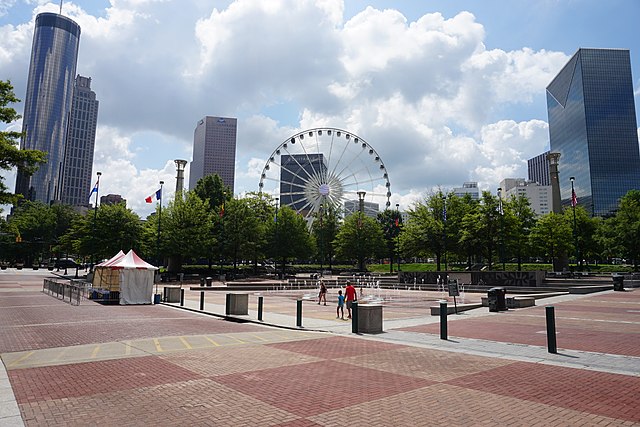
{"x": 66, "y": 263}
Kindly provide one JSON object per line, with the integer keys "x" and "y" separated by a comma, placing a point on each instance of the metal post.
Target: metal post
{"x": 181, "y": 297}
{"x": 299, "y": 313}
{"x": 354, "y": 317}
{"x": 201, "y": 300}
{"x": 443, "y": 320}
{"x": 260, "y": 305}
{"x": 227, "y": 305}
{"x": 551, "y": 329}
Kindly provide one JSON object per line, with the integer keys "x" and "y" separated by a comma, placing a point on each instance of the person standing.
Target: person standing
{"x": 340, "y": 305}
{"x": 350, "y": 296}
{"x": 323, "y": 294}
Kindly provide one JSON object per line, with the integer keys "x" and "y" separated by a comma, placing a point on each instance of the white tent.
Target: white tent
{"x": 134, "y": 276}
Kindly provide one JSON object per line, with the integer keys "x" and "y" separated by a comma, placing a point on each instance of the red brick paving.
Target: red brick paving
{"x": 599, "y": 393}
{"x": 335, "y": 347}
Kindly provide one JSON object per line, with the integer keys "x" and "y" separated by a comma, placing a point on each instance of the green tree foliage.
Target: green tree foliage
{"x": 185, "y": 229}
{"x": 325, "y": 229}
{"x": 518, "y": 221}
{"x": 627, "y": 226}
{"x": 241, "y": 230}
{"x": 551, "y": 236}
{"x": 212, "y": 190}
{"x": 584, "y": 231}
{"x": 423, "y": 234}
{"x": 10, "y": 155}
{"x": 262, "y": 207}
{"x": 359, "y": 238}
{"x": 391, "y": 223}
{"x": 290, "y": 238}
{"x": 480, "y": 227}
{"x": 35, "y": 223}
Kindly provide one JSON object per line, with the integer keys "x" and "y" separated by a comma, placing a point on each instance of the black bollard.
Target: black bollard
{"x": 354, "y": 317}
{"x": 299, "y": 313}
{"x": 260, "y": 304}
{"x": 201, "y": 300}
{"x": 227, "y": 305}
{"x": 443, "y": 320}
{"x": 551, "y": 329}
{"x": 181, "y": 297}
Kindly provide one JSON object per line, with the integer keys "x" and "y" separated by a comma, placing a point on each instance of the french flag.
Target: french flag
{"x": 158, "y": 196}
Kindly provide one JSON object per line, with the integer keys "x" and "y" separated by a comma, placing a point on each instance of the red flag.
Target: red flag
{"x": 222, "y": 210}
{"x": 574, "y": 198}
{"x": 148, "y": 199}
{"x": 397, "y": 222}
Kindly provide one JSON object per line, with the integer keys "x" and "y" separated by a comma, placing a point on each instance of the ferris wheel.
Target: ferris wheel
{"x": 325, "y": 167}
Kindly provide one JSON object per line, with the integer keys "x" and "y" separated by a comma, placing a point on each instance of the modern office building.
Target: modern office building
{"x": 214, "y": 150}
{"x": 538, "y": 169}
{"x": 370, "y": 209}
{"x": 470, "y": 188}
{"x": 112, "y": 199}
{"x": 81, "y": 140}
{"x": 296, "y": 170}
{"x": 539, "y": 196}
{"x": 48, "y": 101}
{"x": 592, "y": 124}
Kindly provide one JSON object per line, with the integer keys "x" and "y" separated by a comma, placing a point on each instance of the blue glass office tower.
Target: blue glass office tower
{"x": 592, "y": 124}
{"x": 48, "y": 101}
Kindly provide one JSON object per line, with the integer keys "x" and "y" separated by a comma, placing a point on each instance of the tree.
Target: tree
{"x": 261, "y": 205}
{"x": 10, "y": 155}
{"x": 241, "y": 227}
{"x": 586, "y": 230}
{"x": 423, "y": 233}
{"x": 325, "y": 229}
{"x": 35, "y": 223}
{"x": 481, "y": 227}
{"x": 519, "y": 218}
{"x": 289, "y": 237}
{"x": 627, "y": 226}
{"x": 359, "y": 238}
{"x": 212, "y": 190}
{"x": 551, "y": 236}
{"x": 391, "y": 223}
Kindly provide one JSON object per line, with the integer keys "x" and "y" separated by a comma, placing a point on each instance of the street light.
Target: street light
{"x": 444, "y": 230}
{"x": 501, "y": 212}
{"x": 361, "y": 195}
{"x": 159, "y": 218}
{"x": 398, "y": 235}
{"x": 277, "y": 243}
{"x": 95, "y": 222}
{"x": 574, "y": 202}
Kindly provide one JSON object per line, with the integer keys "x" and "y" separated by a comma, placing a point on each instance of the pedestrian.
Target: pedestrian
{"x": 323, "y": 294}
{"x": 351, "y": 296}
{"x": 340, "y": 305}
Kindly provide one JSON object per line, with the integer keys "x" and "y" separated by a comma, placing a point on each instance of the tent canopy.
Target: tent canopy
{"x": 129, "y": 275}
{"x": 130, "y": 260}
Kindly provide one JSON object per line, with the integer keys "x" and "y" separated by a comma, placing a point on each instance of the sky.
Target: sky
{"x": 445, "y": 91}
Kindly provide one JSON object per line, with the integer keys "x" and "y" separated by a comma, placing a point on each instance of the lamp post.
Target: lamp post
{"x": 398, "y": 234}
{"x": 501, "y": 212}
{"x": 95, "y": 223}
{"x": 575, "y": 224}
{"x": 444, "y": 230}
{"x": 159, "y": 220}
{"x": 277, "y": 242}
{"x": 321, "y": 239}
{"x": 361, "y": 195}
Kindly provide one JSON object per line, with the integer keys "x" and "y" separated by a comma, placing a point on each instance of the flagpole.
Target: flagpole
{"x": 159, "y": 219}
{"x": 95, "y": 222}
{"x": 575, "y": 228}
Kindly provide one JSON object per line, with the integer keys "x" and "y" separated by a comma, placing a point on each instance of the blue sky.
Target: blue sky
{"x": 446, "y": 91}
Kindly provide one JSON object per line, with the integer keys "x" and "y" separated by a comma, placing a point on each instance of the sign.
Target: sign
{"x": 454, "y": 291}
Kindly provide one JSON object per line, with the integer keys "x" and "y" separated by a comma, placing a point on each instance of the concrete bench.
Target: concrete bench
{"x": 520, "y": 302}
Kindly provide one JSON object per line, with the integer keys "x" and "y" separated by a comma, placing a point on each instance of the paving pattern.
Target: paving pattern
{"x": 159, "y": 365}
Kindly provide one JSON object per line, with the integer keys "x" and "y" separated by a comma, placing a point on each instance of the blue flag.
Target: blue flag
{"x": 94, "y": 190}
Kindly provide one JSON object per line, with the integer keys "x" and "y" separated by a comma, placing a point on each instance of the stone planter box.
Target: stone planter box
{"x": 237, "y": 304}
{"x": 369, "y": 318}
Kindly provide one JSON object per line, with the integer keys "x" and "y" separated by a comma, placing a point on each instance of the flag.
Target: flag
{"x": 222, "y": 210}
{"x": 574, "y": 198}
{"x": 94, "y": 190}
{"x": 397, "y": 222}
{"x": 158, "y": 196}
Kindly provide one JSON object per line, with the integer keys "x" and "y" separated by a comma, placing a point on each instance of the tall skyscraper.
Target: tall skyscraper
{"x": 214, "y": 150}
{"x": 538, "y": 169}
{"x": 592, "y": 124}
{"x": 81, "y": 139}
{"x": 52, "y": 70}
{"x": 296, "y": 170}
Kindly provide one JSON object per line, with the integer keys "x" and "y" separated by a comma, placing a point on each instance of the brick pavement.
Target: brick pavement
{"x": 301, "y": 378}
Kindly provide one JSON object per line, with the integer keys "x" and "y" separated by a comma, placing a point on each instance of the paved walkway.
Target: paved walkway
{"x": 164, "y": 365}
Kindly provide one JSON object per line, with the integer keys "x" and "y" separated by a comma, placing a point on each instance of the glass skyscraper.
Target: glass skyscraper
{"x": 81, "y": 140}
{"x": 295, "y": 171}
{"x": 48, "y": 101}
{"x": 214, "y": 150}
{"x": 592, "y": 124}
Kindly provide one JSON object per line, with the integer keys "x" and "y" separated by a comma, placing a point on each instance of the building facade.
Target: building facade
{"x": 539, "y": 196}
{"x": 48, "y": 101}
{"x": 81, "y": 140}
{"x": 214, "y": 150}
{"x": 295, "y": 171}
{"x": 370, "y": 209}
{"x": 538, "y": 169}
{"x": 112, "y": 199}
{"x": 470, "y": 188}
{"x": 592, "y": 124}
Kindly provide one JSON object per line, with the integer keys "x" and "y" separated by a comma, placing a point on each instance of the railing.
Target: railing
{"x": 73, "y": 292}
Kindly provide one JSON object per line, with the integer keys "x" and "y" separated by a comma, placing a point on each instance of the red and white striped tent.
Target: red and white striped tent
{"x": 128, "y": 274}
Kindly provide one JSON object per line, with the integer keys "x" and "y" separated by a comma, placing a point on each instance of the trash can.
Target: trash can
{"x": 156, "y": 298}
{"x": 496, "y": 298}
{"x": 209, "y": 281}
{"x": 618, "y": 282}
{"x": 202, "y": 281}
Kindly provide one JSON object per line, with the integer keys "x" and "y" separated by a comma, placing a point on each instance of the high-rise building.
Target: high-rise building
{"x": 539, "y": 196}
{"x": 81, "y": 139}
{"x": 592, "y": 124}
{"x": 214, "y": 150}
{"x": 296, "y": 170}
{"x": 370, "y": 209}
{"x": 48, "y": 101}
{"x": 538, "y": 169}
{"x": 470, "y": 188}
{"x": 112, "y": 199}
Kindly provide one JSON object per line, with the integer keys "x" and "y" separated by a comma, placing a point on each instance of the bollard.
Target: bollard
{"x": 443, "y": 320}
{"x": 551, "y": 329}
{"x": 299, "y": 313}
{"x": 260, "y": 304}
{"x": 201, "y": 300}
{"x": 181, "y": 297}
{"x": 164, "y": 294}
{"x": 354, "y": 317}
{"x": 202, "y": 281}
{"x": 227, "y": 305}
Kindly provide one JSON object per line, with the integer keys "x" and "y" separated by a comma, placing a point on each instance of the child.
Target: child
{"x": 340, "y": 305}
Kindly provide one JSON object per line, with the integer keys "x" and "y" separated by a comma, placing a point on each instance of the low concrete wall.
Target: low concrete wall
{"x": 528, "y": 279}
